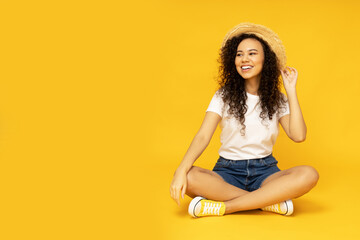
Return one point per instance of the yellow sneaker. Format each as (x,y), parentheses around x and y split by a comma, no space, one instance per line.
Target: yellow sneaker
(200,207)
(284,208)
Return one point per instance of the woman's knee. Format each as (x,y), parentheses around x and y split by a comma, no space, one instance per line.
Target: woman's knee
(191,175)
(307,176)
(196,176)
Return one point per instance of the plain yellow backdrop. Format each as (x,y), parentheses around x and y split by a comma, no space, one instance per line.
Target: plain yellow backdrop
(99,101)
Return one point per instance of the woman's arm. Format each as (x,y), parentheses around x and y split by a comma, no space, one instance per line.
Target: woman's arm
(197,146)
(293,124)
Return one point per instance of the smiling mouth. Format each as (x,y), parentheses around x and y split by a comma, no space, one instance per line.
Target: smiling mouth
(246,68)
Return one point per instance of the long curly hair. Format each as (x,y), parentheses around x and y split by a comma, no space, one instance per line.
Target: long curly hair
(232,84)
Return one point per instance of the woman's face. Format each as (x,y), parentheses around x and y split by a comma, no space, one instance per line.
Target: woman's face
(249,59)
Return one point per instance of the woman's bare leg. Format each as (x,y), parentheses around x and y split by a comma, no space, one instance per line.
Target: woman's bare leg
(209,184)
(280,186)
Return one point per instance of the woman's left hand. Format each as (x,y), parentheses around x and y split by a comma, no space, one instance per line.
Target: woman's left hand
(289,76)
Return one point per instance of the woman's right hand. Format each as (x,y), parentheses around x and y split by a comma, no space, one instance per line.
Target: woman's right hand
(178,186)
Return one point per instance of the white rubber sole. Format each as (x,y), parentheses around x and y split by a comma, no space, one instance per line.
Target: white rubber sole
(193,204)
(290,207)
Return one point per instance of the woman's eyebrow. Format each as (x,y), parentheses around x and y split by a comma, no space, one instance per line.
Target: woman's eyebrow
(248,50)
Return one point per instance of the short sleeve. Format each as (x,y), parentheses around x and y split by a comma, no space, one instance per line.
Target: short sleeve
(284,110)
(216,104)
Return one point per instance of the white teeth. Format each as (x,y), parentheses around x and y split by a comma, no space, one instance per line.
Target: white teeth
(246,67)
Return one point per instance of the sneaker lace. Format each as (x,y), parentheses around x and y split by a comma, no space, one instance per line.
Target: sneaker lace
(274,208)
(212,208)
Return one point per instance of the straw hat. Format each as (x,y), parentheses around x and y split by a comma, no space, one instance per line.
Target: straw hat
(264,33)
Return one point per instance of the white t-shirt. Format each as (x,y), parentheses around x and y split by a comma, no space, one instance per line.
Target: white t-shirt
(260,135)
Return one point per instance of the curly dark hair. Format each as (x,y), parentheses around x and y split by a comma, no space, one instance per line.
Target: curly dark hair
(232,84)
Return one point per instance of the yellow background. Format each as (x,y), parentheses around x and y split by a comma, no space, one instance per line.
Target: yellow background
(99,101)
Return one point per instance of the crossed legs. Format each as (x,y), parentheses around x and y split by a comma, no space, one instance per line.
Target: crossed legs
(280,186)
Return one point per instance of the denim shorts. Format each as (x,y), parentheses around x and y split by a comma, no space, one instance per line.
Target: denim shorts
(246,174)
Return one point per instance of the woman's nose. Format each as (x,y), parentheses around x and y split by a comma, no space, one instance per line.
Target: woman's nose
(245,58)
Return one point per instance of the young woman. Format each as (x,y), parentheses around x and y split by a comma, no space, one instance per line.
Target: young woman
(249,107)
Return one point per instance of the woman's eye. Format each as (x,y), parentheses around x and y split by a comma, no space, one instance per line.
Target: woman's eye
(252,53)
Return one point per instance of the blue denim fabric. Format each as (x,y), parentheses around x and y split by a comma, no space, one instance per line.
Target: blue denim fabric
(246,174)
